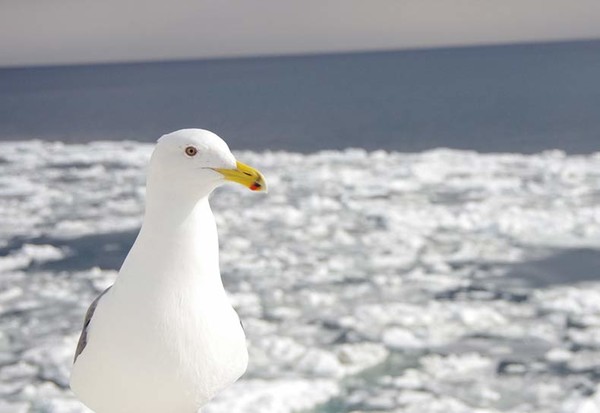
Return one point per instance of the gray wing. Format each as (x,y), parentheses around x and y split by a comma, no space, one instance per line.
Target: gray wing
(86,323)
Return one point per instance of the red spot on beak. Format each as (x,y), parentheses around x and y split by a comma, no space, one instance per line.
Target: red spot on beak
(255,186)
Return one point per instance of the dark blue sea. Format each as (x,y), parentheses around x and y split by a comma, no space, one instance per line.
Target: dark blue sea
(518,98)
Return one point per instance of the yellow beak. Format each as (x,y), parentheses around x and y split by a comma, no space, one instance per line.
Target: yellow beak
(245,175)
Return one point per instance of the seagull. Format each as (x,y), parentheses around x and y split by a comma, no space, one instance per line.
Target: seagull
(164,337)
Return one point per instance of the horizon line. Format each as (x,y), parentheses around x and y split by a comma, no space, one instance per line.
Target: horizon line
(296,55)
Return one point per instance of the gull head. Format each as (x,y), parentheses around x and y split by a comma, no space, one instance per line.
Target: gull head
(198,161)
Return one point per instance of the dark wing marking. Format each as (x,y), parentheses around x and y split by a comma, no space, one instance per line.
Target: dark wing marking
(86,323)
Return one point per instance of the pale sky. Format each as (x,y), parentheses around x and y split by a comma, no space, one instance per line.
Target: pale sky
(34,32)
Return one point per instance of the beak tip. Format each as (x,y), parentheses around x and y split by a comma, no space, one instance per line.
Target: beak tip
(258,187)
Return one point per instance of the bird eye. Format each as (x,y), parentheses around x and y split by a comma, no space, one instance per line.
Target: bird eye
(191,151)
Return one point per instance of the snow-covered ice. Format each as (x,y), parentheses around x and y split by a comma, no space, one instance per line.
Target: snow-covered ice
(444,281)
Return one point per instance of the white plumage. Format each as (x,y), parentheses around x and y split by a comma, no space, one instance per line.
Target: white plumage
(165,338)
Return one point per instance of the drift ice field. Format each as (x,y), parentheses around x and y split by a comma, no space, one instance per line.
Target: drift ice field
(443,281)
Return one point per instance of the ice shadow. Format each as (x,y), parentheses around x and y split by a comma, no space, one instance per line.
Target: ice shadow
(106,251)
(518,280)
(567,266)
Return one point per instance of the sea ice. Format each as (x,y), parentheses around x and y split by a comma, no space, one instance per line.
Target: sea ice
(370,282)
